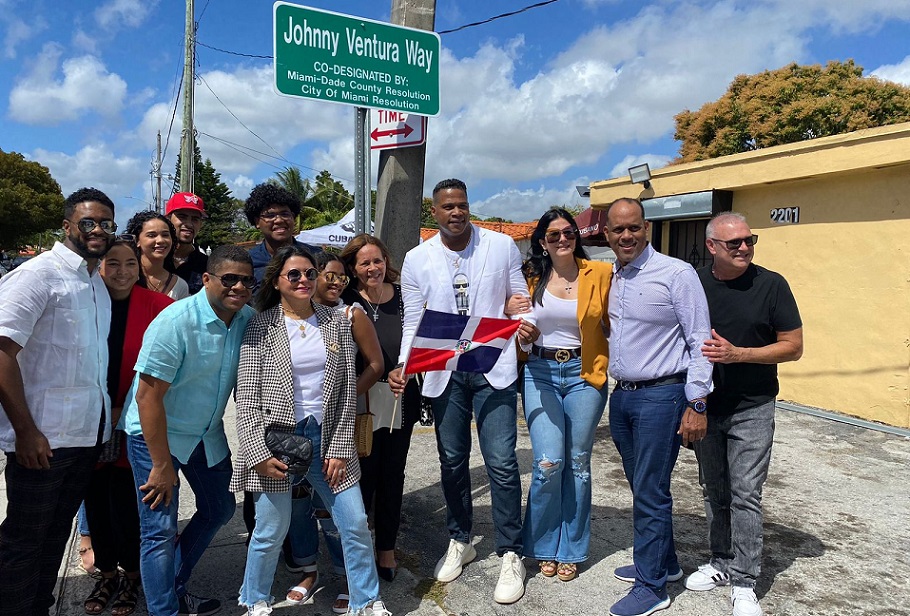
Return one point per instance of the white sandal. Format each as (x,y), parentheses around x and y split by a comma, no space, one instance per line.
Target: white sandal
(341,597)
(305,594)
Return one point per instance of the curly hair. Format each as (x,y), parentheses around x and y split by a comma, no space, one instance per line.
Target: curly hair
(539,266)
(134,228)
(266,195)
(81,196)
(349,257)
(268,295)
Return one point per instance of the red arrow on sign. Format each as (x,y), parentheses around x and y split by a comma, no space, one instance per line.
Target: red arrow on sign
(406,130)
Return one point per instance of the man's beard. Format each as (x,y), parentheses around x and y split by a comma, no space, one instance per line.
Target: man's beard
(83,250)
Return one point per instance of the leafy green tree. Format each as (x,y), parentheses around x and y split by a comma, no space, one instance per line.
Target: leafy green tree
(30,200)
(790,104)
(225,213)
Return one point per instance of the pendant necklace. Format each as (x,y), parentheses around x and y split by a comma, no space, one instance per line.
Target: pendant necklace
(301,324)
(374,309)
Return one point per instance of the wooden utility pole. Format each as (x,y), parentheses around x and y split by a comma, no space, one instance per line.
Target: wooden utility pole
(399,189)
(187,143)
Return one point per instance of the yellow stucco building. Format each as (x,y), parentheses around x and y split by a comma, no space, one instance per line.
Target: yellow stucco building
(833,216)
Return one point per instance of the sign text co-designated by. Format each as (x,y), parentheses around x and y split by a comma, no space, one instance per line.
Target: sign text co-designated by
(344,59)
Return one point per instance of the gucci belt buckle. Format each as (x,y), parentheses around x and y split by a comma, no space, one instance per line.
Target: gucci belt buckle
(628,385)
(562,356)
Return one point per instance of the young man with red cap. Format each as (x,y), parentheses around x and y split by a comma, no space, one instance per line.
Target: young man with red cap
(186,212)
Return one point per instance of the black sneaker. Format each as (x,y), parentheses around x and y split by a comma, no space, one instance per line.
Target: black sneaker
(191,605)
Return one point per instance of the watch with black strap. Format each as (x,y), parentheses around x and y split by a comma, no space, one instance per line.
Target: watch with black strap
(699,406)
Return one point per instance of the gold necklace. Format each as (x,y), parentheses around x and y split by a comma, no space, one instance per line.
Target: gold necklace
(301,323)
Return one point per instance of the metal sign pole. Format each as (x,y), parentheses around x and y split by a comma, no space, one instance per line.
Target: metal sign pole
(362,172)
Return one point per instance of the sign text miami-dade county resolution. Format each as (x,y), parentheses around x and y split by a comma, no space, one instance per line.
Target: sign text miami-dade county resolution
(344,59)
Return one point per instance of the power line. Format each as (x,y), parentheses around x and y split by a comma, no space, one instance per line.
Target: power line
(500,16)
(458,29)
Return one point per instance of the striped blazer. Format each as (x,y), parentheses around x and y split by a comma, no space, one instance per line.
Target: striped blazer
(265,396)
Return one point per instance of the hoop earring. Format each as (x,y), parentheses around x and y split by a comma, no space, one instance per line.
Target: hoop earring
(546,253)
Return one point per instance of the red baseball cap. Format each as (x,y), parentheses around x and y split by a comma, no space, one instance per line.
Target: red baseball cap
(184,201)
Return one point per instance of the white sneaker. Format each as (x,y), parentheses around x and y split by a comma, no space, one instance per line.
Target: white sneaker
(453,561)
(707,578)
(745,603)
(511,585)
(260,608)
(377,609)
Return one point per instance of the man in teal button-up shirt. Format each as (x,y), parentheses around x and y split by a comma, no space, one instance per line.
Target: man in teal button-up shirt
(186,370)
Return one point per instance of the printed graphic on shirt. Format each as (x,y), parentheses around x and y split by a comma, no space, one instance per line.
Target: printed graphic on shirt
(462,297)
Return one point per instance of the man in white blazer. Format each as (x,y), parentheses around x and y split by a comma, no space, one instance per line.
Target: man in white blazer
(468,270)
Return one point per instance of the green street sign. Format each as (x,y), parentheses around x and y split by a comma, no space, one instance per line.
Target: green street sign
(344,59)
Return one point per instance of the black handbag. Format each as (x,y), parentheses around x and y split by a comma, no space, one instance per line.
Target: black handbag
(295,450)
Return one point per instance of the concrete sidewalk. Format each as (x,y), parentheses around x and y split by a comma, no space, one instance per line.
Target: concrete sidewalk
(837,536)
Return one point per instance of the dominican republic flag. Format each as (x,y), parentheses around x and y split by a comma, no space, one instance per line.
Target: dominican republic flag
(454,342)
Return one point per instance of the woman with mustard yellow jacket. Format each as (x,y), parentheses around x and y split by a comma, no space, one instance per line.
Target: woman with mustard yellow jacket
(564,391)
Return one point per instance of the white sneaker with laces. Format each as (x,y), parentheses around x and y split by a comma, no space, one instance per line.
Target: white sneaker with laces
(377,609)
(260,608)
(707,578)
(745,603)
(511,585)
(453,561)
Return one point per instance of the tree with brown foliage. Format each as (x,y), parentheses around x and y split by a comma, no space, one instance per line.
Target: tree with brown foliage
(790,104)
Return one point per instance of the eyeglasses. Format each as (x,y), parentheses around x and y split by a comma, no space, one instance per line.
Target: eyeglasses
(552,235)
(295,275)
(750,240)
(333,278)
(87,225)
(285,214)
(231,280)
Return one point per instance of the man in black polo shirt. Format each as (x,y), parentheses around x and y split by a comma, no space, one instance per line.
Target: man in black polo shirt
(187,212)
(755,325)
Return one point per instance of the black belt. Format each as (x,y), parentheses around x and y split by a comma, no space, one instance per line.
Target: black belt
(560,355)
(673,379)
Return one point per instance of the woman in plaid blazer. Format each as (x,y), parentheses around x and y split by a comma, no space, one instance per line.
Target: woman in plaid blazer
(297,375)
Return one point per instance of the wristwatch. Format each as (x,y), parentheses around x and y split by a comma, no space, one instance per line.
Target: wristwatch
(699,406)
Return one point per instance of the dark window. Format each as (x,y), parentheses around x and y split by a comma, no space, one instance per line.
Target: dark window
(687,242)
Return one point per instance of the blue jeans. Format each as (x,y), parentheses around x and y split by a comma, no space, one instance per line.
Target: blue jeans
(644,425)
(166,566)
(469,395)
(273,517)
(733,462)
(304,533)
(83,521)
(562,411)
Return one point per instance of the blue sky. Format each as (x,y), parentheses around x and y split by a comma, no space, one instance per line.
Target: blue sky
(532,105)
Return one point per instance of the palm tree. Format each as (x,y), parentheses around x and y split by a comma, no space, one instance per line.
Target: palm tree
(324,200)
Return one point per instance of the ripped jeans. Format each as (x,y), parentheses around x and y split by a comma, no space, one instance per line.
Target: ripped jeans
(562,411)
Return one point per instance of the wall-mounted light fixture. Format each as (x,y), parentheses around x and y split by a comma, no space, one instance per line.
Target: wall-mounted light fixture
(583,191)
(641,174)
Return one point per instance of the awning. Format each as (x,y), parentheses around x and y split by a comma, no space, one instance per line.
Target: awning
(592,225)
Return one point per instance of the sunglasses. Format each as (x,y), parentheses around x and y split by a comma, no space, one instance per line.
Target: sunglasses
(750,240)
(552,235)
(126,237)
(333,278)
(295,275)
(87,225)
(231,280)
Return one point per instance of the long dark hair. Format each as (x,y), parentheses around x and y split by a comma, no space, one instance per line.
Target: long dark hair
(134,228)
(268,296)
(538,266)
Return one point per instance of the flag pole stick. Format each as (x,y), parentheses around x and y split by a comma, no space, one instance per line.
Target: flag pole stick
(395,410)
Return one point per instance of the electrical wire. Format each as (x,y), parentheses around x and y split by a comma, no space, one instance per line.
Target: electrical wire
(458,29)
(500,16)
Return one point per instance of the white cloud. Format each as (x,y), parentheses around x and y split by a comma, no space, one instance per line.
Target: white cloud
(123,178)
(129,13)
(898,73)
(525,205)
(41,97)
(240,186)
(85,42)
(17,31)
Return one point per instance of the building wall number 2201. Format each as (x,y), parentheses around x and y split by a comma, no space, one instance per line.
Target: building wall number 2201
(785,215)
